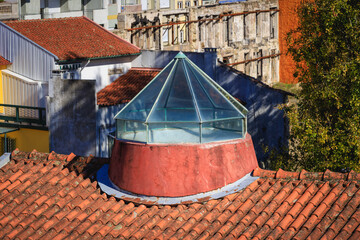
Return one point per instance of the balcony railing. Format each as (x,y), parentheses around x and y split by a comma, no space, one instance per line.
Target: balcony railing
(23,114)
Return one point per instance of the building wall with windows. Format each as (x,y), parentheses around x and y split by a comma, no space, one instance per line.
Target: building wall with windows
(9,10)
(24,139)
(244,33)
(169,4)
(103,12)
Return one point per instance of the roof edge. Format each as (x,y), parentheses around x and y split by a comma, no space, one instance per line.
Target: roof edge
(28,39)
(78,60)
(256,80)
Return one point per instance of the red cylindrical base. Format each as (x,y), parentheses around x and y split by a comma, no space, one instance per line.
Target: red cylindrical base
(175,170)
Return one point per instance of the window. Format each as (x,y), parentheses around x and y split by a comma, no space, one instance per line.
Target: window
(246,27)
(247,64)
(180,5)
(228,30)
(259,64)
(181,36)
(258,24)
(199,25)
(195,3)
(273,23)
(165,35)
(9,146)
(187,3)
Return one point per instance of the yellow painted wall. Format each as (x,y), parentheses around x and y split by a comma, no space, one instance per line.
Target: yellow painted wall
(30,139)
(1,89)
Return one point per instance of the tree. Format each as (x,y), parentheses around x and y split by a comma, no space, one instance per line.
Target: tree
(325,125)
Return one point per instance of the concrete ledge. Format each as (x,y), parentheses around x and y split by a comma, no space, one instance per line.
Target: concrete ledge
(109,188)
(4,159)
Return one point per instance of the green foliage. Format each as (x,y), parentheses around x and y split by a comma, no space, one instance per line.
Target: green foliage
(325,125)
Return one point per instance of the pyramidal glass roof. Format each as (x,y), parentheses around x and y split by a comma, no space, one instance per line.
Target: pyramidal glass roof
(182,92)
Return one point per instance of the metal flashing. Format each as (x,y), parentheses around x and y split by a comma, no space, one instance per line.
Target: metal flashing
(109,188)
(28,39)
(4,159)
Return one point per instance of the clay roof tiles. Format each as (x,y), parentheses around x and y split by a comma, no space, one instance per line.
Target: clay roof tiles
(3,61)
(125,88)
(73,38)
(44,196)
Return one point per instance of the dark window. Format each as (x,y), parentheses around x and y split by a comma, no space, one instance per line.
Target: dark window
(199,24)
(259,64)
(272,23)
(9,146)
(247,64)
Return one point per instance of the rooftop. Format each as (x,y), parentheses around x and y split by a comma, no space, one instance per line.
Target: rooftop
(3,61)
(125,88)
(56,196)
(73,38)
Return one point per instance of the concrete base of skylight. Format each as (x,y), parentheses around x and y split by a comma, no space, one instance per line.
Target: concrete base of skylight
(177,170)
(111,189)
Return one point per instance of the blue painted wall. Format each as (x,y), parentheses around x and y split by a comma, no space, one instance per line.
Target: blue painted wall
(266,122)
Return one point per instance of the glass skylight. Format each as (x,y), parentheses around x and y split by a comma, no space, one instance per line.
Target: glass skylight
(182,105)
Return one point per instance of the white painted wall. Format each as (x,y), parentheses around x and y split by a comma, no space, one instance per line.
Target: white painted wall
(102,70)
(67,14)
(100,17)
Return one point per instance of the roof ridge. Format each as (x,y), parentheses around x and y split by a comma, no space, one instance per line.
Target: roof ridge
(145,69)
(305,175)
(40,19)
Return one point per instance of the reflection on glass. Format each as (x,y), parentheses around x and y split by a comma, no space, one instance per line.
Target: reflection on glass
(182,105)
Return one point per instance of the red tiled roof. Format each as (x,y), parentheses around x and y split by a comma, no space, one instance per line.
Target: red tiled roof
(3,61)
(55,196)
(123,89)
(73,38)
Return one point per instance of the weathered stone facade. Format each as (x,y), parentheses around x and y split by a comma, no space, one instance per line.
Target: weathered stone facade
(244,33)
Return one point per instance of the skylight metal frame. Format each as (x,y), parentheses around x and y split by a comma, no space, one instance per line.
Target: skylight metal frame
(187,67)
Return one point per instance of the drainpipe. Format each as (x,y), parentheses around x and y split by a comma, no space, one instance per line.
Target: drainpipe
(84,67)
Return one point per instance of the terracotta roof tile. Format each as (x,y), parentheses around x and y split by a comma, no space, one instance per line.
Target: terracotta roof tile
(123,89)
(55,198)
(73,38)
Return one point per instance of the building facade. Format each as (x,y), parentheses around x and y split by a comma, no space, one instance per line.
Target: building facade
(9,10)
(71,49)
(103,12)
(244,33)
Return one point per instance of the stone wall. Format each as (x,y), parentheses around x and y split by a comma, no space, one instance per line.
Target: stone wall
(244,40)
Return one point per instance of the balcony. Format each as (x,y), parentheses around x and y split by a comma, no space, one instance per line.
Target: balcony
(22,116)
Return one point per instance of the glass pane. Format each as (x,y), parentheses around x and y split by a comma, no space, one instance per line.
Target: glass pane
(174,133)
(222,130)
(175,102)
(204,101)
(139,108)
(131,130)
(218,97)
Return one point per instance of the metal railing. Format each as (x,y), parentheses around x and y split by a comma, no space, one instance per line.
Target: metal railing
(23,114)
